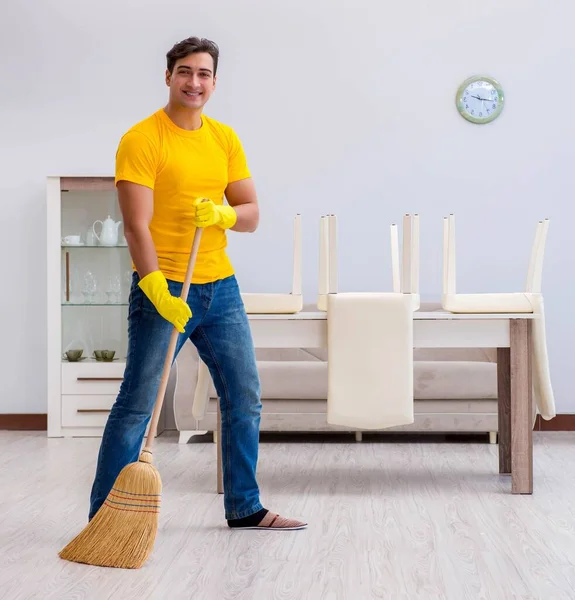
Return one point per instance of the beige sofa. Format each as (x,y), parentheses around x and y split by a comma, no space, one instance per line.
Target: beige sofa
(455,391)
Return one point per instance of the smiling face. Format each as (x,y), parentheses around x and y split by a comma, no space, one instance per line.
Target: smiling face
(192,81)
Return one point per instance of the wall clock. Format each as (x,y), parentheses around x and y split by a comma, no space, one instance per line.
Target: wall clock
(480,99)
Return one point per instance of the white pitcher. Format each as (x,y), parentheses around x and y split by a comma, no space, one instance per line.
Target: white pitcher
(109,232)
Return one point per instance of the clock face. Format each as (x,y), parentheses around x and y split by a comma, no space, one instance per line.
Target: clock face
(480,99)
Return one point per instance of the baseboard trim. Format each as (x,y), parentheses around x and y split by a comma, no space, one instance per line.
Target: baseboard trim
(39,422)
(24,422)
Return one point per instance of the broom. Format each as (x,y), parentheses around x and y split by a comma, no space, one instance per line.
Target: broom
(123,531)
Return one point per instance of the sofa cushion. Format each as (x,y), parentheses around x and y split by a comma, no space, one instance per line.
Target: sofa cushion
(439,354)
(452,380)
(285,354)
(433,380)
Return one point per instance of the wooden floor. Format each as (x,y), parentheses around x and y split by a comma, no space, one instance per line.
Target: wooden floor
(388,519)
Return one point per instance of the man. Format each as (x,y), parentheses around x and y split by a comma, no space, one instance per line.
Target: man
(165,165)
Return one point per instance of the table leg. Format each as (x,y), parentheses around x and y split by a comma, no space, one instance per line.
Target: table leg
(504,409)
(521,407)
(220,475)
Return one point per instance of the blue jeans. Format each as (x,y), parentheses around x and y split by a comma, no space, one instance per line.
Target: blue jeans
(220,331)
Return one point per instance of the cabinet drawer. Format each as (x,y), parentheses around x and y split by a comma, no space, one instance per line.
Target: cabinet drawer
(86,410)
(92,377)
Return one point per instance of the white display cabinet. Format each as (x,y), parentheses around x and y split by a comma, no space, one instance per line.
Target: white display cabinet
(88,286)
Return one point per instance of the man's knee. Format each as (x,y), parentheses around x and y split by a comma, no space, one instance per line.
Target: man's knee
(138,392)
(248,395)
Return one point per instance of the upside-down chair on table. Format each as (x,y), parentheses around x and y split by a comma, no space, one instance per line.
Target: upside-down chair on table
(370,337)
(405,278)
(528,301)
(284,304)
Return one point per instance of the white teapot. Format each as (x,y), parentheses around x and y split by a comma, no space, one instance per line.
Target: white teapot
(109,232)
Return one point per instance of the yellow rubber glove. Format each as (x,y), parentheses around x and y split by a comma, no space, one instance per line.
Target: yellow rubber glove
(208,213)
(172,308)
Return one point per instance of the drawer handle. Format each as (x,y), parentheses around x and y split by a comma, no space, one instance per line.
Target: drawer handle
(93,410)
(99,378)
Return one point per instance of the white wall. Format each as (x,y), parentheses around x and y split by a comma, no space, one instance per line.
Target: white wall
(341,109)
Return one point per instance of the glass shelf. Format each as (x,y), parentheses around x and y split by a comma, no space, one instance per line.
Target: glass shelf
(90,359)
(88,304)
(82,247)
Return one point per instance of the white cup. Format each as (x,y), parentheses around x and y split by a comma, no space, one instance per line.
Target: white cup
(71,239)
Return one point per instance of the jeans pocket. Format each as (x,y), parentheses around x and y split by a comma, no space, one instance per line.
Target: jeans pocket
(136,298)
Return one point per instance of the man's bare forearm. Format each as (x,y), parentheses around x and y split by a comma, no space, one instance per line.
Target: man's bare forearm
(137,206)
(142,249)
(248,217)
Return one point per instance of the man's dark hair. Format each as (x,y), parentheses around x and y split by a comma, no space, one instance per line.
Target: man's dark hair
(192,45)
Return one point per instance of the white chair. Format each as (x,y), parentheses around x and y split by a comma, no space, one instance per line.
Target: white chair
(405,278)
(289,303)
(505,302)
(529,301)
(370,336)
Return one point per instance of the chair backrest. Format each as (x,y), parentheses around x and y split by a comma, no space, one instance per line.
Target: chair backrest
(535,269)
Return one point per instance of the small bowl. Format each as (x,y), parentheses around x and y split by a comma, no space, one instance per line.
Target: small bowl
(104,355)
(74,355)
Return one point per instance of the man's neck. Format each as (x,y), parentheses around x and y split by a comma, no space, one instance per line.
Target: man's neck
(186,119)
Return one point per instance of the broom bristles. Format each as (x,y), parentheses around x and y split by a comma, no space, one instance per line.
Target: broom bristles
(123,531)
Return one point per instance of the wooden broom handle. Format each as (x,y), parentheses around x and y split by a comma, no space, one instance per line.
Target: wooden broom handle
(172,347)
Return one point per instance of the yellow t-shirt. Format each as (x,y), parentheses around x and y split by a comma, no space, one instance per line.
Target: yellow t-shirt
(181,166)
